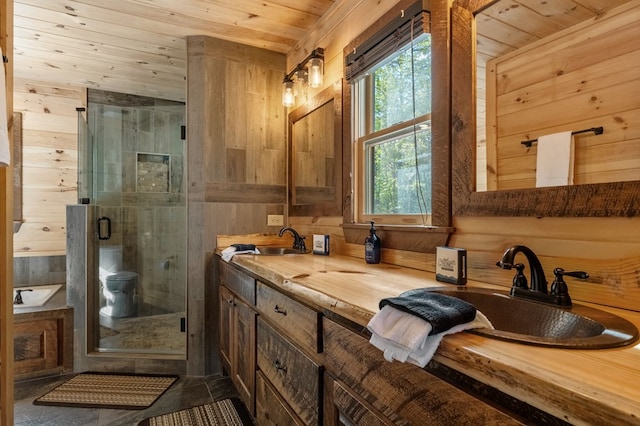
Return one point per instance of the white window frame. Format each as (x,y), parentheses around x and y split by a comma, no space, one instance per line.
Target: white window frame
(363,135)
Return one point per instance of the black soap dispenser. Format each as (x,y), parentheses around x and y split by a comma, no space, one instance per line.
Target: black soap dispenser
(372,246)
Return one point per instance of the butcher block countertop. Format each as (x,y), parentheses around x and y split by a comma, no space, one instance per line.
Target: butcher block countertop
(598,387)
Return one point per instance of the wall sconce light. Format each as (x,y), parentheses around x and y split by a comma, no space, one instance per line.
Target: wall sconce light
(300,85)
(316,72)
(308,73)
(288,98)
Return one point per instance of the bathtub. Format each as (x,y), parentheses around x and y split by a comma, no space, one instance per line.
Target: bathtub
(35,296)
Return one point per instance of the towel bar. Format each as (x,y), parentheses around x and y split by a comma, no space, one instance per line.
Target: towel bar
(596,130)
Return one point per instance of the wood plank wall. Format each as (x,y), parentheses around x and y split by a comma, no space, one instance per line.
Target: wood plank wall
(607,248)
(236,167)
(583,77)
(6,232)
(50,166)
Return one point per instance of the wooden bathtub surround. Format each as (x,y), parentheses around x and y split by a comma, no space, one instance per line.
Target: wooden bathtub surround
(578,386)
(43,342)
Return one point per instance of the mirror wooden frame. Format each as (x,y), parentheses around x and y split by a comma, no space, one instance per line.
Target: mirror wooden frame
(329,208)
(589,200)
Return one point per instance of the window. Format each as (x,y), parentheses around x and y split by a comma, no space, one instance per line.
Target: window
(391,94)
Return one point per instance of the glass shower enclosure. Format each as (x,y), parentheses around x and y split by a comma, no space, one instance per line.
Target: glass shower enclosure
(131,173)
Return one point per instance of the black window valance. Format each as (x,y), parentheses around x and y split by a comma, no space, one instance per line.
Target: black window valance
(393,36)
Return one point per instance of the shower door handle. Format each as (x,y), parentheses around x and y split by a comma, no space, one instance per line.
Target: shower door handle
(104,222)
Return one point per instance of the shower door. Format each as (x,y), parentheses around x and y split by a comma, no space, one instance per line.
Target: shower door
(137,304)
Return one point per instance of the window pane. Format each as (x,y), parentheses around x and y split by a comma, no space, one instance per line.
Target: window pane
(394,82)
(400,179)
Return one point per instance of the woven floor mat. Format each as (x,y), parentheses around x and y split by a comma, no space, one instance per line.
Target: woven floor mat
(107,390)
(228,412)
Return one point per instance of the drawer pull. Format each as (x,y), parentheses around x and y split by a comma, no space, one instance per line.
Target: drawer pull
(279,366)
(280,311)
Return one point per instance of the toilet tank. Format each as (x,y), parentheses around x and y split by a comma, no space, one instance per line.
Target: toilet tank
(110,259)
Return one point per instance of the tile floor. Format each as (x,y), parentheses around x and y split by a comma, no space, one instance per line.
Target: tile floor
(184,393)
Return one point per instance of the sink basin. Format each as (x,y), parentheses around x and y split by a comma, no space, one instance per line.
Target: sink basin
(279,251)
(530,322)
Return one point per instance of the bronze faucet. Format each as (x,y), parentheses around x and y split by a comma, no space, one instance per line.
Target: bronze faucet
(298,240)
(18,300)
(559,294)
(538,280)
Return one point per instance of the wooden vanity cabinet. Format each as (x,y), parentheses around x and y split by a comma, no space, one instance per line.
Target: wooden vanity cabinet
(289,358)
(293,366)
(238,331)
(362,388)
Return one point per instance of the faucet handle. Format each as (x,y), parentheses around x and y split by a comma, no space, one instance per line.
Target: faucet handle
(559,287)
(519,280)
(575,274)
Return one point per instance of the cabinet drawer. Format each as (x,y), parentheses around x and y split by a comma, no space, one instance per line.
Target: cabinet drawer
(401,392)
(349,406)
(302,324)
(295,376)
(270,408)
(241,284)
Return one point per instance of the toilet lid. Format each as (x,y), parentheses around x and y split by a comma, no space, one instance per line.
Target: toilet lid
(122,276)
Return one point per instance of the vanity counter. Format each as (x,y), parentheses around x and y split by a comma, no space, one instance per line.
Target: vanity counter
(599,386)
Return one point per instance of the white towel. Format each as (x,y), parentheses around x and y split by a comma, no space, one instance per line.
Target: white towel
(5,151)
(405,330)
(229,252)
(413,344)
(555,160)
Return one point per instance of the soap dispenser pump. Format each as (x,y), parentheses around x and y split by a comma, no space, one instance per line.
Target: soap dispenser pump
(372,246)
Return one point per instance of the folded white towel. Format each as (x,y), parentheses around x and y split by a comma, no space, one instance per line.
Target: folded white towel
(555,160)
(228,253)
(404,330)
(414,345)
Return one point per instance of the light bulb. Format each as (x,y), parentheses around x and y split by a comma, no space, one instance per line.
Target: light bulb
(316,71)
(300,89)
(288,99)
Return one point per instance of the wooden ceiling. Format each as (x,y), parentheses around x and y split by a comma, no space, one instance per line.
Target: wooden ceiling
(510,24)
(139,46)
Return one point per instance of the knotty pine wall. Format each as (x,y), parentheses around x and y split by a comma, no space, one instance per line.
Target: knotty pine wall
(607,248)
(585,76)
(49,161)
(6,230)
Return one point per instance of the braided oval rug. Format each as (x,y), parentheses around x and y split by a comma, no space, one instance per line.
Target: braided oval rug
(108,390)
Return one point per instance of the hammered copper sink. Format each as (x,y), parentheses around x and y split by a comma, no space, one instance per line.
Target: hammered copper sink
(280,251)
(529,322)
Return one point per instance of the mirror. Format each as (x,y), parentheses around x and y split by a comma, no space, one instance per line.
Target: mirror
(556,67)
(315,155)
(601,189)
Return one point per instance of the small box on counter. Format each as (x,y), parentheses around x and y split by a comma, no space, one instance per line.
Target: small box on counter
(451,265)
(321,244)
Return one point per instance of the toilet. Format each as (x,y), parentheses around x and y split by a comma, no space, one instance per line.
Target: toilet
(119,287)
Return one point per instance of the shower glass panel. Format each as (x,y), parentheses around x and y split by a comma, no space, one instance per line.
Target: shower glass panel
(138,189)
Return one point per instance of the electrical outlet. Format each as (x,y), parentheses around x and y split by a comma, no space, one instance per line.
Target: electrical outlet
(275,220)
